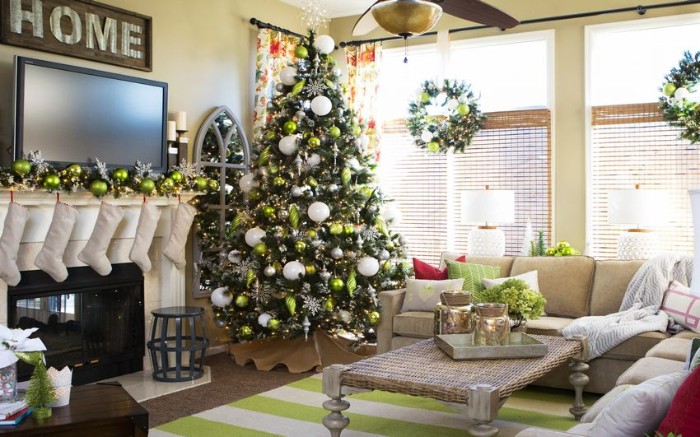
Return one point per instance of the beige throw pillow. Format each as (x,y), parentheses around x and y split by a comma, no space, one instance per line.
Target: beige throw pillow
(530,279)
(423,294)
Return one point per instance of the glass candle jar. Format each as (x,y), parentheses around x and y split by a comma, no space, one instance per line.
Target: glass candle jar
(454,314)
(492,324)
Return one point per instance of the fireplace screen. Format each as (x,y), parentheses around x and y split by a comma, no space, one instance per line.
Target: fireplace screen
(94,324)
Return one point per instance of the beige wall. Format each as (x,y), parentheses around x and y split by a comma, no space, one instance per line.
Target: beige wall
(569,107)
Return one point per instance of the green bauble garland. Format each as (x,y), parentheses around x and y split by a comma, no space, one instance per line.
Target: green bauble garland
(680,99)
(444,117)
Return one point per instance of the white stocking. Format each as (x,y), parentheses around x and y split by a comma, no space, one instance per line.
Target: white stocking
(94,253)
(50,258)
(175,249)
(15,221)
(145,229)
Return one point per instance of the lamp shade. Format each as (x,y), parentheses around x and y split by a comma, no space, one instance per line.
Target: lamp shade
(488,206)
(406,17)
(637,207)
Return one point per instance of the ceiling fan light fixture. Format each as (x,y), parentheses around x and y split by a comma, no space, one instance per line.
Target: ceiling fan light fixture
(406,17)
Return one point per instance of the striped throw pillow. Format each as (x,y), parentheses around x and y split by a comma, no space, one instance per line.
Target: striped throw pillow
(682,306)
(472,274)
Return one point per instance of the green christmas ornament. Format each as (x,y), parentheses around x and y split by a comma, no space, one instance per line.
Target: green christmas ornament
(176,176)
(200,183)
(314,142)
(356,130)
(269,135)
(310,181)
(433,146)
(245,331)
(301,52)
(236,222)
(98,187)
(336,284)
(249,278)
(424,97)
(335,228)
(373,317)
(310,269)
(264,156)
(380,224)
(300,246)
(167,184)
(279,182)
(345,176)
(21,167)
(254,194)
(273,324)
(669,89)
(366,191)
(294,216)
(260,249)
(289,127)
(74,170)
(463,109)
(312,233)
(334,132)
(213,185)
(53,181)
(268,211)
(351,283)
(291,304)
(242,300)
(120,174)
(298,87)
(147,186)
(273,169)
(349,229)
(329,304)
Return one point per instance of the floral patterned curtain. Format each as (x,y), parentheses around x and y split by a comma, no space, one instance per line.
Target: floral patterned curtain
(275,50)
(363,63)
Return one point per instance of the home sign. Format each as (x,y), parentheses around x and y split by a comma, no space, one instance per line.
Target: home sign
(80,28)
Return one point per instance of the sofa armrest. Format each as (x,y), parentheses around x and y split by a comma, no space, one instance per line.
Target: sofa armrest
(391,302)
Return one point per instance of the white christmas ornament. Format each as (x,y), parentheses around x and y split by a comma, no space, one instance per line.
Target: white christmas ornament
(426,136)
(313,160)
(254,236)
(221,297)
(263,319)
(269,271)
(354,164)
(288,76)
(324,44)
(392,216)
(296,191)
(681,93)
(293,270)
(321,105)
(368,266)
(383,255)
(337,253)
(246,182)
(234,256)
(318,212)
(344,316)
(288,144)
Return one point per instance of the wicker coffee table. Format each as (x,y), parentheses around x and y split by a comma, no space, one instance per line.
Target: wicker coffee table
(422,369)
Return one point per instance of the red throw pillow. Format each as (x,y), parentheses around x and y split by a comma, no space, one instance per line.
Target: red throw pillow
(424,270)
(682,417)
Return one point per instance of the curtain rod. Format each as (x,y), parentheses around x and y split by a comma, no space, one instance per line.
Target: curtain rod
(641,10)
(263,25)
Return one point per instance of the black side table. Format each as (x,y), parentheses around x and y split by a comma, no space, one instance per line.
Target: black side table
(193,344)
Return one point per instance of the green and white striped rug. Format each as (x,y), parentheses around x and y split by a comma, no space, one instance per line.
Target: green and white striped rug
(295,410)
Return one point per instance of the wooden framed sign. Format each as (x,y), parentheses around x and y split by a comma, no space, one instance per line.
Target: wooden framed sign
(79,28)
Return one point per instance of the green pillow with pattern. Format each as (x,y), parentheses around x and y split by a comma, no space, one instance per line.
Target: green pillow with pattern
(472,274)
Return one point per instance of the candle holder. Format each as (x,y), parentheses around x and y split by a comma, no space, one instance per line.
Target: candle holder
(492,324)
(177,150)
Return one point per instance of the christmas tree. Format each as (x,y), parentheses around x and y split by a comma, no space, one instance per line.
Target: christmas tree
(308,249)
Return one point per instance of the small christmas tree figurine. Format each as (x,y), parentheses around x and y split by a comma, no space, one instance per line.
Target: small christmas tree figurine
(40,393)
(309,249)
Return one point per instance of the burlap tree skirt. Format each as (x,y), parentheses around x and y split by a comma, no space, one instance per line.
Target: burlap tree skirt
(297,354)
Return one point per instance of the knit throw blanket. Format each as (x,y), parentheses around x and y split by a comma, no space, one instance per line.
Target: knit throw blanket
(639,311)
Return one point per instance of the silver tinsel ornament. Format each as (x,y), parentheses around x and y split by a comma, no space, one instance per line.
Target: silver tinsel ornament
(337,253)
(269,271)
(234,256)
(325,275)
(306,324)
(283,214)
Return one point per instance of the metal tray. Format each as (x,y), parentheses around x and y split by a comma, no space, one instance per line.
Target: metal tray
(461,347)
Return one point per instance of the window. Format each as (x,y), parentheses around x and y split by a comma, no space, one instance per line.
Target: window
(512,151)
(629,143)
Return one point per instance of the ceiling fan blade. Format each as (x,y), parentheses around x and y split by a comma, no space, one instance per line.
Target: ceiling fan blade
(366,23)
(478,12)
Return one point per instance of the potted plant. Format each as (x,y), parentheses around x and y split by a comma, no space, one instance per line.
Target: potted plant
(523,303)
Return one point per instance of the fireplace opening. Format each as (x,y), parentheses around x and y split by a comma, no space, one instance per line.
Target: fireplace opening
(91,323)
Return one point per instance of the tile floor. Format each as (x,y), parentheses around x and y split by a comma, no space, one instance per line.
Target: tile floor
(141,385)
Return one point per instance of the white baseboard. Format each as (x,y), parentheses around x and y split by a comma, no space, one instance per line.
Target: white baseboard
(220,349)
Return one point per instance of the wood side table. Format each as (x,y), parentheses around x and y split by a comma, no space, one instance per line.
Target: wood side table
(104,410)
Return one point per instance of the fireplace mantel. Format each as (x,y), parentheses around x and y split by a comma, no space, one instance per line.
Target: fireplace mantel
(164,284)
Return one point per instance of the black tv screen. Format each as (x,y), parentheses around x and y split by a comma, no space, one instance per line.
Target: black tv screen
(76,115)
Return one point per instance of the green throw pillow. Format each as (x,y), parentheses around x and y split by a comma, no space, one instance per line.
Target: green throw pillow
(472,274)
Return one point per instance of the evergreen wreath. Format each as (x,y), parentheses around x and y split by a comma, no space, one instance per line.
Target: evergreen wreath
(444,117)
(680,102)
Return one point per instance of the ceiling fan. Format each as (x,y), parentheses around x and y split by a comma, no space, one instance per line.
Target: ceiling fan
(407,18)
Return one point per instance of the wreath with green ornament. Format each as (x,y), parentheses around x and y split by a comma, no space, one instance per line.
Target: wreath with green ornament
(680,100)
(32,173)
(444,117)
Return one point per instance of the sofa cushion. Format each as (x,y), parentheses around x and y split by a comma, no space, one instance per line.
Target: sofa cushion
(419,324)
(472,274)
(636,347)
(687,334)
(548,325)
(639,410)
(682,306)
(647,368)
(530,279)
(423,270)
(423,295)
(682,417)
(610,284)
(503,262)
(671,349)
(564,281)
(603,402)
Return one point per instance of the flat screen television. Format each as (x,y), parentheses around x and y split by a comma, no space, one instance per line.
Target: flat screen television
(76,115)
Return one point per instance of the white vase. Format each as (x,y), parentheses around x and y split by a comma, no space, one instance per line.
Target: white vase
(695,208)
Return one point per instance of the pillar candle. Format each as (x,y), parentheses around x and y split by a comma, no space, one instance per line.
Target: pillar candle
(181,120)
(172,135)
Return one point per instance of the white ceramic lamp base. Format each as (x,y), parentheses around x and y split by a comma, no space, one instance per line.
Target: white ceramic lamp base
(636,245)
(486,242)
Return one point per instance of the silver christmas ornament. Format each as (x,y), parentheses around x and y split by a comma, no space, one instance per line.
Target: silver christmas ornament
(332,188)
(383,255)
(300,115)
(350,254)
(220,323)
(337,253)
(306,324)
(296,191)
(283,214)
(325,275)
(279,87)
(269,271)
(234,256)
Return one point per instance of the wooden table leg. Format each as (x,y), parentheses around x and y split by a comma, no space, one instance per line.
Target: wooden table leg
(335,421)
(482,408)
(579,379)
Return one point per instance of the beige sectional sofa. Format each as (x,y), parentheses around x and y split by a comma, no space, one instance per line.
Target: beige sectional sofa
(574,286)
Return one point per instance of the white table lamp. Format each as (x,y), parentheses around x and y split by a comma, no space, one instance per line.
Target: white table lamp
(487,207)
(637,208)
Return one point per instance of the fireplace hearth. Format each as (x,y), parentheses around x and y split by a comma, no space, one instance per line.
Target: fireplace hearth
(91,323)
